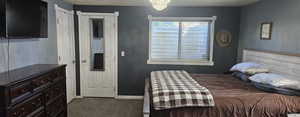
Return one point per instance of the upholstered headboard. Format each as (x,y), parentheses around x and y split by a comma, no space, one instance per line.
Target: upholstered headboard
(281,63)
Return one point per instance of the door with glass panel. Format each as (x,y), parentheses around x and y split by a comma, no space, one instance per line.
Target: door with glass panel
(98,54)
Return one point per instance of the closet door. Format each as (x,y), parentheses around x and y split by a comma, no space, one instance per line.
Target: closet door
(66,48)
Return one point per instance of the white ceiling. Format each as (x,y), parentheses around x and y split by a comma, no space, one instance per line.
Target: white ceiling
(173,2)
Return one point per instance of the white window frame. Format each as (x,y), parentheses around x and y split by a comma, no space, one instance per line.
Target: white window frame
(183,62)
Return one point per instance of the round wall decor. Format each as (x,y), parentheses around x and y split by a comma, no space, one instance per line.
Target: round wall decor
(224,38)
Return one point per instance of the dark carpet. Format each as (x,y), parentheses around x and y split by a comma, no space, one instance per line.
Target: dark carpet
(105,107)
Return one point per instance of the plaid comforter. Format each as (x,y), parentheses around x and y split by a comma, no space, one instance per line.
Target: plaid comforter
(174,89)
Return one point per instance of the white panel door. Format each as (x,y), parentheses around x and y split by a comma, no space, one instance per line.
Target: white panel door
(98,83)
(66,48)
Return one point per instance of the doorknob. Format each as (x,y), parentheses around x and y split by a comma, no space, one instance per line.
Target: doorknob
(83,61)
(73,61)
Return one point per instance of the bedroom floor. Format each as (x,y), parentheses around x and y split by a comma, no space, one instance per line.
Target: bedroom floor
(105,107)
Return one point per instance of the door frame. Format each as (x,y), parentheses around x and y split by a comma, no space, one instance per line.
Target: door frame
(115,45)
(60,49)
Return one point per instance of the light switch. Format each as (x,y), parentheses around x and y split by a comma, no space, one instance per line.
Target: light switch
(123,53)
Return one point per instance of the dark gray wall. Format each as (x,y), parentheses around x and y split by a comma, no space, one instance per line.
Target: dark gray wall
(285,15)
(133,39)
(19,53)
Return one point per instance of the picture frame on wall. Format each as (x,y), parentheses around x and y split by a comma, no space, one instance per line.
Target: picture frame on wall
(266,30)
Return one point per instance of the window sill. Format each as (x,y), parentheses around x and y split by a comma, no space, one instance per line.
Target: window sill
(200,63)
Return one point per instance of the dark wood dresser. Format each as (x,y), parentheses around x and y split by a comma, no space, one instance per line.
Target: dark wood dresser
(34,91)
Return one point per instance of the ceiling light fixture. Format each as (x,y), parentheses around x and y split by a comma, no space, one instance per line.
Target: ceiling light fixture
(160,4)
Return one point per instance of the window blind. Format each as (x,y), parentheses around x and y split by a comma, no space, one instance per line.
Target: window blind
(194,41)
(165,40)
(180,40)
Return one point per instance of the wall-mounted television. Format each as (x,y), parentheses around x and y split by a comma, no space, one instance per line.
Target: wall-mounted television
(23,19)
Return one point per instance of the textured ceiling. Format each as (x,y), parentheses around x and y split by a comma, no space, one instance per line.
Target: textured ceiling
(173,2)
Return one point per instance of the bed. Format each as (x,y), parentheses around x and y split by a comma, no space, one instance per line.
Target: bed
(235,98)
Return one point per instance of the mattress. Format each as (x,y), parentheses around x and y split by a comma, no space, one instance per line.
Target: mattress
(235,98)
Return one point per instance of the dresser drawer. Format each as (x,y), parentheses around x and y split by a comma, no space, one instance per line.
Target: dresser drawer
(57,75)
(62,114)
(56,107)
(40,82)
(27,107)
(58,89)
(20,90)
(38,113)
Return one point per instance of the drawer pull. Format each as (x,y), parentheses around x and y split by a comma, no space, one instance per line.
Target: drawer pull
(15,114)
(34,104)
(22,91)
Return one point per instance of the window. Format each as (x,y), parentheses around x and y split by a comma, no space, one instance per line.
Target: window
(181,40)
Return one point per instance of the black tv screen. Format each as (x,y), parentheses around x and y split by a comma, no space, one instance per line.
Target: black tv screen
(23,18)
(2,19)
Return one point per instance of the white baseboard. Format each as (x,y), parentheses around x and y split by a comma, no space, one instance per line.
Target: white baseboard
(70,101)
(121,97)
(78,97)
(129,97)
(293,115)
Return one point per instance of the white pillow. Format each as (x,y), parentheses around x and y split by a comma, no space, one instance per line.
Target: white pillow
(253,71)
(249,68)
(276,80)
